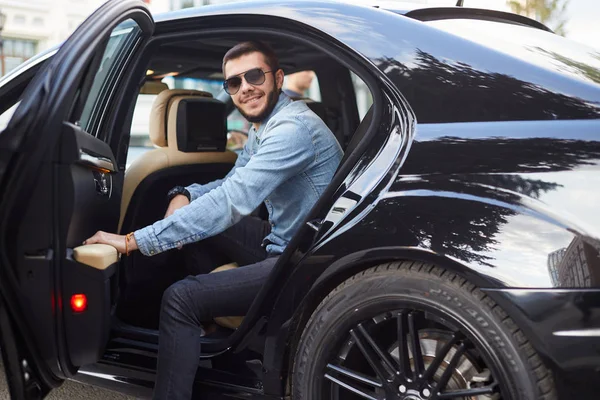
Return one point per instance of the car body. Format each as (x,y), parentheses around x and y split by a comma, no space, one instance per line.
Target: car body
(475,172)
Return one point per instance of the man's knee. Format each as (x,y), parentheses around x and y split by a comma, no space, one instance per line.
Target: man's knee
(176,298)
(184,301)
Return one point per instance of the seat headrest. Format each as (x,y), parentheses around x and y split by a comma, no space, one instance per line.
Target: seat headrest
(153,87)
(318,108)
(197,124)
(160,112)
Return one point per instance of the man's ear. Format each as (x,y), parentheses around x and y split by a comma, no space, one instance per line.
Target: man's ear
(279,78)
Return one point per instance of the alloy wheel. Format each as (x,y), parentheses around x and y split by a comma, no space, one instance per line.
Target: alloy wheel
(410,354)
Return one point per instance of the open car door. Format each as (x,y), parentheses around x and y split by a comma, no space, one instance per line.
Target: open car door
(59,184)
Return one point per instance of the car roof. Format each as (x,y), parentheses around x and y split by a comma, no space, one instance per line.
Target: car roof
(373,34)
(412,9)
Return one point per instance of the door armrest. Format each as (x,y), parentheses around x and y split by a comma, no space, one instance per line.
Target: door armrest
(99,256)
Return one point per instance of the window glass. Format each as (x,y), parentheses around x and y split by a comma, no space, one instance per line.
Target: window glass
(7,46)
(15,52)
(139,141)
(364,98)
(11,63)
(187,3)
(178,4)
(121,41)
(19,49)
(237,125)
(7,115)
(302,84)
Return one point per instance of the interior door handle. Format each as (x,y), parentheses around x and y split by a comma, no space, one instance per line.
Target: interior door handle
(103,164)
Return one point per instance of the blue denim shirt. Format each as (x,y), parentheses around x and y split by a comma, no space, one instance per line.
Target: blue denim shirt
(286,164)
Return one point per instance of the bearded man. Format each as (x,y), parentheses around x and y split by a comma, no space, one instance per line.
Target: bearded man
(288,161)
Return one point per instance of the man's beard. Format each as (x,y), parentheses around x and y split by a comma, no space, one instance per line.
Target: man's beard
(272,99)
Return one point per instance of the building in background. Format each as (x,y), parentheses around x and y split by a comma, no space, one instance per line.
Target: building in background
(179,4)
(32,26)
(36,25)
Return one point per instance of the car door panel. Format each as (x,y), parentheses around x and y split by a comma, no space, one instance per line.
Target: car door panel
(87,204)
(87,184)
(59,184)
(76,180)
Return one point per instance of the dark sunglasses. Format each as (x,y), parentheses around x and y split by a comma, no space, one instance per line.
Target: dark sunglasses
(254,76)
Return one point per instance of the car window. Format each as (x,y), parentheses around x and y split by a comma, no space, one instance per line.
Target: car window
(122,39)
(7,115)
(364,98)
(302,84)
(15,52)
(237,125)
(139,141)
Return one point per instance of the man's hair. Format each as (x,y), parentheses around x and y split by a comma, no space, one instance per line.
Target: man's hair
(244,48)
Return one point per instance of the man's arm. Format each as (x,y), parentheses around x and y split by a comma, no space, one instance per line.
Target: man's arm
(197,190)
(286,150)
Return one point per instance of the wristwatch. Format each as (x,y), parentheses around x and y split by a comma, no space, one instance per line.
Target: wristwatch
(179,190)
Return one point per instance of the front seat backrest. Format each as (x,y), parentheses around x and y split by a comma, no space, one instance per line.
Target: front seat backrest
(329,115)
(163,134)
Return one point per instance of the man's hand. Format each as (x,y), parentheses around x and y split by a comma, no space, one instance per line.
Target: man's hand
(116,241)
(176,203)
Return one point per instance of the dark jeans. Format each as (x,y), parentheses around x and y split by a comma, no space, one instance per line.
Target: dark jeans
(198,299)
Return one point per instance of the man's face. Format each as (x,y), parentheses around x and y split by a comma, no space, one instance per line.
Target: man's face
(255,102)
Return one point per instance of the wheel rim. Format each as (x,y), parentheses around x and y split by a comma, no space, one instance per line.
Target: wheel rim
(409,354)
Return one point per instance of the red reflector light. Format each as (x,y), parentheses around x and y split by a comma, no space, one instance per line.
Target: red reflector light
(78,302)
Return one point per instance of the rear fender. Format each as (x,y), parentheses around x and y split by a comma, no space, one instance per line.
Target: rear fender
(304,291)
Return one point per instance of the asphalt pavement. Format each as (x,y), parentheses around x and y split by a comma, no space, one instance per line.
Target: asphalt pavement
(69,390)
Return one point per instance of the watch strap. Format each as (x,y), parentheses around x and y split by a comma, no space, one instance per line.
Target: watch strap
(177,190)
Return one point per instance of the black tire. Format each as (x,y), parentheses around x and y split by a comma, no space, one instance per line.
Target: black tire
(443,309)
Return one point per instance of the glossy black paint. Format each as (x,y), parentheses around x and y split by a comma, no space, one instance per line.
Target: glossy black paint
(510,205)
(33,232)
(443,77)
(465,193)
(564,321)
(434,13)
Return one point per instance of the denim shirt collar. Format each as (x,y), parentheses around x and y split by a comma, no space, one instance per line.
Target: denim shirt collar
(283,101)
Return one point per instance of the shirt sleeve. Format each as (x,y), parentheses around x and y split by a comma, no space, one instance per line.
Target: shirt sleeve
(197,190)
(286,150)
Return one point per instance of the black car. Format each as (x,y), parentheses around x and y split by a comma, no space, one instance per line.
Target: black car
(453,256)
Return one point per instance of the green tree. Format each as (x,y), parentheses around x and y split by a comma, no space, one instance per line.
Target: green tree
(549,12)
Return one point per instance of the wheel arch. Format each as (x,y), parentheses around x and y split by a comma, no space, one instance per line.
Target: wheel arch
(338,315)
(344,268)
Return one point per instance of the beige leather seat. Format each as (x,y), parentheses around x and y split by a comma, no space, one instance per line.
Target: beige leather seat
(228,322)
(153,87)
(163,133)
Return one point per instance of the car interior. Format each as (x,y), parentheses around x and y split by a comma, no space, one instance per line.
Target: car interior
(187,128)
(167,165)
(187,131)
(100,176)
